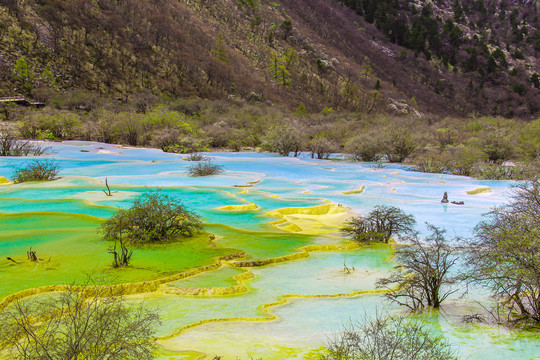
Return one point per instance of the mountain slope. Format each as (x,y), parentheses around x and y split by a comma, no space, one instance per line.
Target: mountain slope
(320,53)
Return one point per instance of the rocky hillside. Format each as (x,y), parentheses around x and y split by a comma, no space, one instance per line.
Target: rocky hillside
(442,57)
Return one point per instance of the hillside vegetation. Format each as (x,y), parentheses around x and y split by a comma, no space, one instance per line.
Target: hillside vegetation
(442,58)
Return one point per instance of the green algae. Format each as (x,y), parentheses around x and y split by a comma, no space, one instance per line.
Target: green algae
(70,247)
(220,278)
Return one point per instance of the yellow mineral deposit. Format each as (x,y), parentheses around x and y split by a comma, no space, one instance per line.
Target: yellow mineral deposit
(244,207)
(358,191)
(480,190)
(313,220)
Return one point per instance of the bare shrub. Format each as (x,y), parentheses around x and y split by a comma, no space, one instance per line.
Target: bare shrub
(37,170)
(11,146)
(94,322)
(205,168)
(196,157)
(388,338)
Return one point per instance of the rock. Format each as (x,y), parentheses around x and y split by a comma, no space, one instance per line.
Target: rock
(254,97)
(445,198)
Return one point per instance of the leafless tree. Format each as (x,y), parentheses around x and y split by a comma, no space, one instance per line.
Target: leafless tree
(424,278)
(505,255)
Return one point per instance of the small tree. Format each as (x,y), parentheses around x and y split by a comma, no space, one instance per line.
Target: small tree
(79,323)
(23,75)
(505,254)
(424,278)
(153,218)
(322,147)
(388,338)
(400,145)
(380,224)
(37,170)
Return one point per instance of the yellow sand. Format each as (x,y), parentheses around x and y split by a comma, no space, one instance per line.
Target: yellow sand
(480,190)
(4,181)
(359,191)
(394,173)
(246,207)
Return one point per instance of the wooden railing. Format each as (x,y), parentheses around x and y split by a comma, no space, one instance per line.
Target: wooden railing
(21,100)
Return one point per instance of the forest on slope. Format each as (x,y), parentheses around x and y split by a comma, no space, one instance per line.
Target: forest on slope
(440,58)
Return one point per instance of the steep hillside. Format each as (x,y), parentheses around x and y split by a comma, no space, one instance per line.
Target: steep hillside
(320,53)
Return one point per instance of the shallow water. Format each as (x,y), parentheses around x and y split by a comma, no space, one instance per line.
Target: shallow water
(286,309)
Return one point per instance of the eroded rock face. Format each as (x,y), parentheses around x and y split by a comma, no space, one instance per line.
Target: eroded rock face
(402,108)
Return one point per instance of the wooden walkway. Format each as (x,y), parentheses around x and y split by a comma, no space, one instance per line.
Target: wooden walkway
(21,100)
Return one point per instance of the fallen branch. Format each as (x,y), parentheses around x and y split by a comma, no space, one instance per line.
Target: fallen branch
(32,256)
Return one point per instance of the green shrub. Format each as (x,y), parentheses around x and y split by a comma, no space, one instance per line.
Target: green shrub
(37,170)
(186,145)
(154,217)
(51,125)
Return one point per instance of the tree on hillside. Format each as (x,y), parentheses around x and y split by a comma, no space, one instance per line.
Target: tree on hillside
(154,217)
(424,278)
(388,338)
(322,147)
(93,322)
(505,255)
(380,224)
(284,140)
